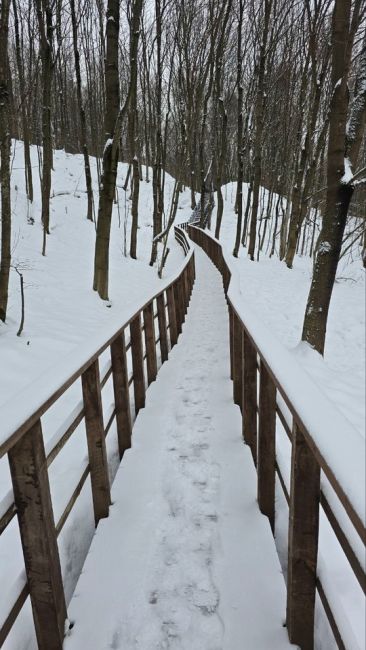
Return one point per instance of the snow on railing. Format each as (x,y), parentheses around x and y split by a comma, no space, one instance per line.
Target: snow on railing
(322,439)
(29,456)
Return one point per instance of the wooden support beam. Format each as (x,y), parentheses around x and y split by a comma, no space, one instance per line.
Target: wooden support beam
(149,329)
(267,445)
(178,310)
(121,393)
(96,441)
(180,285)
(172,317)
(185,290)
(231,341)
(137,363)
(237,360)
(250,396)
(163,333)
(303,543)
(32,498)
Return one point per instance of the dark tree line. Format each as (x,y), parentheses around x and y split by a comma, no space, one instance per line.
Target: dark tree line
(267,92)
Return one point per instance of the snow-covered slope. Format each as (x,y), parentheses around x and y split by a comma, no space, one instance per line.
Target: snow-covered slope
(61,309)
(278,296)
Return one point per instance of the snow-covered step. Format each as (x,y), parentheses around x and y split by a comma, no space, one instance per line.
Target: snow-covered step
(185,560)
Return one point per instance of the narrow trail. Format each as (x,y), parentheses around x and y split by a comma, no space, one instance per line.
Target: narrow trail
(185,561)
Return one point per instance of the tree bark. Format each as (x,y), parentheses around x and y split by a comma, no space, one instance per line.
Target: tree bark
(45,26)
(5,147)
(84,147)
(110,156)
(339,189)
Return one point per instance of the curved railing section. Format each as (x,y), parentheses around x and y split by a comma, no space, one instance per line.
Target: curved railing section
(328,455)
(137,347)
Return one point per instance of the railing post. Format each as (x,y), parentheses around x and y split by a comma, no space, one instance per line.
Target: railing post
(250,396)
(178,310)
(231,340)
(303,542)
(96,441)
(32,497)
(267,445)
(137,363)
(121,393)
(182,299)
(172,316)
(150,345)
(186,289)
(237,360)
(160,301)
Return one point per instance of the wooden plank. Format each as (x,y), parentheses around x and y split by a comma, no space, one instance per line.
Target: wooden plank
(163,332)
(13,614)
(172,317)
(28,467)
(150,345)
(231,342)
(121,393)
(186,291)
(330,616)
(61,522)
(250,396)
(267,445)
(137,363)
(303,542)
(237,360)
(65,436)
(6,518)
(96,441)
(346,546)
(178,308)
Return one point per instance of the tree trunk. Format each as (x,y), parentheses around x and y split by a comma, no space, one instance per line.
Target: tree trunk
(110,155)
(23,109)
(339,192)
(259,124)
(84,147)
(240,156)
(133,127)
(5,146)
(46,38)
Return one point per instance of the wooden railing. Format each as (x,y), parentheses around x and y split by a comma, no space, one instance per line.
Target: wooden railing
(22,439)
(319,476)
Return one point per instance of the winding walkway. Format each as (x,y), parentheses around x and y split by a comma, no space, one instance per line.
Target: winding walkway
(185,560)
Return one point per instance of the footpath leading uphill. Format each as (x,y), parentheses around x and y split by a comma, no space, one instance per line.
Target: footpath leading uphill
(185,559)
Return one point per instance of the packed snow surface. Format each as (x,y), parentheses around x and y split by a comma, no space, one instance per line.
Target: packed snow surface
(185,560)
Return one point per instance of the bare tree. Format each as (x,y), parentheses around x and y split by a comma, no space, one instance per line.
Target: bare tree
(340,181)
(5,145)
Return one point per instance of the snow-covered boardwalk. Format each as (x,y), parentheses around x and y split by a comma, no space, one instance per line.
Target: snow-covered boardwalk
(185,559)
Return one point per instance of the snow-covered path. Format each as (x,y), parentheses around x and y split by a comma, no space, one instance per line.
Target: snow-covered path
(185,560)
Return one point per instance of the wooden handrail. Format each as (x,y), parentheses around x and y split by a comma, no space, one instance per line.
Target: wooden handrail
(279,375)
(21,438)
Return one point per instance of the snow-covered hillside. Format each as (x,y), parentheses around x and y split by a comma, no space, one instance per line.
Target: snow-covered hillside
(278,295)
(61,309)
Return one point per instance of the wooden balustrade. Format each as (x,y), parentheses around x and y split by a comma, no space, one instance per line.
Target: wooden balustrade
(29,463)
(305,496)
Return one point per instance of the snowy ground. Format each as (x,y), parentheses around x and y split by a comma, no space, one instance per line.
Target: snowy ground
(62,312)
(61,309)
(185,560)
(278,296)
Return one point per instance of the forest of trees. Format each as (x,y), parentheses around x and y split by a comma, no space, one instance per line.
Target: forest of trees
(267,92)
